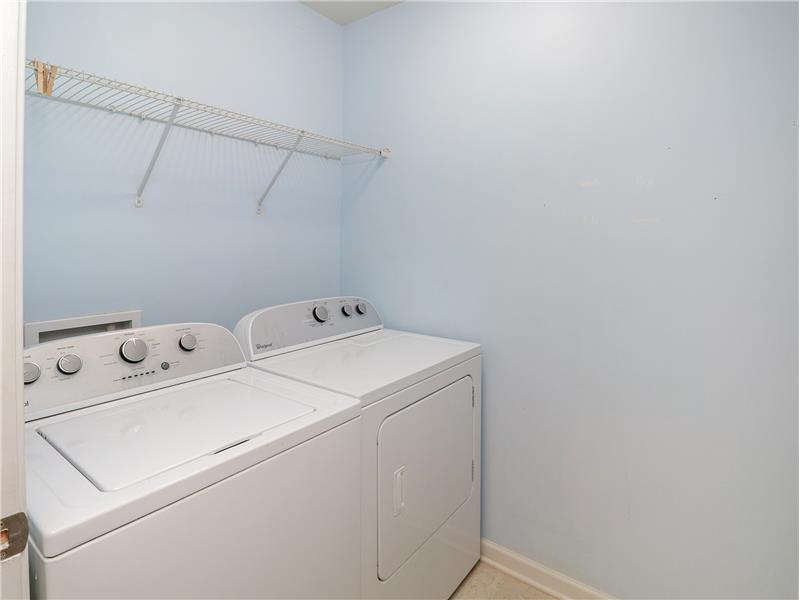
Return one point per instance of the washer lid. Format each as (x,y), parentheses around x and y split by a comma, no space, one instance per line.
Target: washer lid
(372,365)
(123,445)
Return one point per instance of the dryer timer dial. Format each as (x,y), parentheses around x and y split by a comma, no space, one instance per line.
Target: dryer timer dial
(320,314)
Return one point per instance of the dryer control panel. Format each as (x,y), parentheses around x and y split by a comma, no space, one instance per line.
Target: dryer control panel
(82,371)
(287,327)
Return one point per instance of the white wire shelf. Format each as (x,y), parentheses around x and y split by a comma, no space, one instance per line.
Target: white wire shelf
(70,86)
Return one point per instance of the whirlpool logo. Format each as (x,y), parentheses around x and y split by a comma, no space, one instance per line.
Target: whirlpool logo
(263,346)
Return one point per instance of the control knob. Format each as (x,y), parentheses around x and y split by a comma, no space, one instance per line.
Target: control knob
(30,372)
(188,342)
(347,310)
(361,308)
(320,314)
(133,350)
(69,364)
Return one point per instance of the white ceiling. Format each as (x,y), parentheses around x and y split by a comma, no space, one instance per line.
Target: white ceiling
(347,12)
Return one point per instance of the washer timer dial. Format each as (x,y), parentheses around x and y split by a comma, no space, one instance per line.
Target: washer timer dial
(69,364)
(133,350)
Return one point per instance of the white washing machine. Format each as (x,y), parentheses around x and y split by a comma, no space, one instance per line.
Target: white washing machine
(160,466)
(420,402)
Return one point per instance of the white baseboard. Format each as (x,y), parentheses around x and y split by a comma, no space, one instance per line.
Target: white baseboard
(539,576)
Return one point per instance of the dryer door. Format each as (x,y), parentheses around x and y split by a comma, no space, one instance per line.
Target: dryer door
(425,458)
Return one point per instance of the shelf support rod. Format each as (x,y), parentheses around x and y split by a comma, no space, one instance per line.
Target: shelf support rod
(139,201)
(278,172)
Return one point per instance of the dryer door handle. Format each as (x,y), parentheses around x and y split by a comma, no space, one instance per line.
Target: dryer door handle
(399,490)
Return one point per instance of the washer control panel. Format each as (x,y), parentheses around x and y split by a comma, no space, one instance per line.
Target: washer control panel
(82,371)
(280,329)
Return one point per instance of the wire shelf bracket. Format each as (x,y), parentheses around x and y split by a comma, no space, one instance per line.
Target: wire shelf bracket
(78,88)
(139,203)
(278,173)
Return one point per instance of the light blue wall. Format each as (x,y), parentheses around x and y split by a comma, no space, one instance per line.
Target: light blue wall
(604,196)
(197,250)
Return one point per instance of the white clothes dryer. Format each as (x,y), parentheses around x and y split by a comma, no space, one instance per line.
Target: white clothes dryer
(420,400)
(160,466)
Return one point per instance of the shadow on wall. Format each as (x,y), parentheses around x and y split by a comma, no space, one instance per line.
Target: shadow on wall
(358,172)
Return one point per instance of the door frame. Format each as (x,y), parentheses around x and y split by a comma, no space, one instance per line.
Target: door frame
(13,570)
